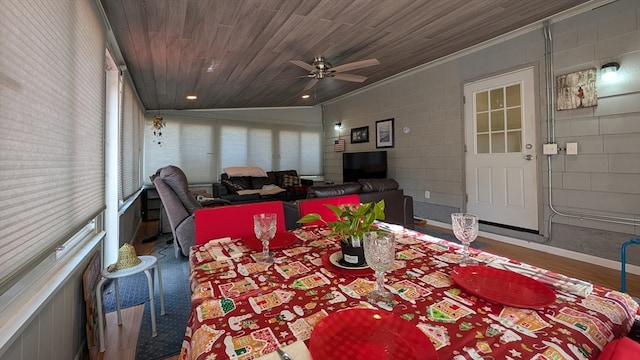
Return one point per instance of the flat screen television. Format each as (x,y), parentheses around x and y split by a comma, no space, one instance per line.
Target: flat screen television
(364,165)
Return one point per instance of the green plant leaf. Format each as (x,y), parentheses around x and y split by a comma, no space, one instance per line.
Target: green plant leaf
(352,221)
(309,218)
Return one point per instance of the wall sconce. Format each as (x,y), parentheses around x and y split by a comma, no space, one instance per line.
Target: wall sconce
(609,71)
(337,126)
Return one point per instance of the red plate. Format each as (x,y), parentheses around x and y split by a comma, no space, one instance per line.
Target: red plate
(503,286)
(367,334)
(282,240)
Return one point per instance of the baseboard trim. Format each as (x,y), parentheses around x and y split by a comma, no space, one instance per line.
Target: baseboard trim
(611,264)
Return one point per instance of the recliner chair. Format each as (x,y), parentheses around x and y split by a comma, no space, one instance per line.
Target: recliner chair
(179,204)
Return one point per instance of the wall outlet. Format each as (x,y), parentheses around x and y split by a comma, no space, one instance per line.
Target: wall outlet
(572,148)
(427,194)
(550,149)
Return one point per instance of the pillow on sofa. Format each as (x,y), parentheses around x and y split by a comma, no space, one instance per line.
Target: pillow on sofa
(245,171)
(259,182)
(248,191)
(289,180)
(233,187)
(271,189)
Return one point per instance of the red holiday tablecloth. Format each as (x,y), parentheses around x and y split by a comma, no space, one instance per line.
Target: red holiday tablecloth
(243,310)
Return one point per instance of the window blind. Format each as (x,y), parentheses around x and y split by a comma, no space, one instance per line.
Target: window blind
(187,144)
(244,146)
(198,145)
(51,128)
(300,150)
(131,121)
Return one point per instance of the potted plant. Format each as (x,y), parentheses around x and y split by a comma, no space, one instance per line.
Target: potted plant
(353,221)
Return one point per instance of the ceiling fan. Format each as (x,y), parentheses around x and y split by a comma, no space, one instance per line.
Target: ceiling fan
(321,68)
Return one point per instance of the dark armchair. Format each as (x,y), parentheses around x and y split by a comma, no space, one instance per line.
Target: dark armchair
(179,204)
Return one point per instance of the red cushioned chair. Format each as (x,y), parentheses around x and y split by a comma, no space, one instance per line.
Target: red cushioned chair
(621,349)
(318,206)
(235,221)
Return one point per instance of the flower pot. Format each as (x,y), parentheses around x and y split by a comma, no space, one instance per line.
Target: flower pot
(352,256)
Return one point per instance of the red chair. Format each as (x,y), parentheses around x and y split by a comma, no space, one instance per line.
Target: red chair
(318,206)
(235,221)
(620,349)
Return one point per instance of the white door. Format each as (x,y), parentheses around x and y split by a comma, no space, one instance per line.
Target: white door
(500,138)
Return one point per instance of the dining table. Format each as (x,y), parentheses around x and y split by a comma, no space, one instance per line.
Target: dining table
(500,308)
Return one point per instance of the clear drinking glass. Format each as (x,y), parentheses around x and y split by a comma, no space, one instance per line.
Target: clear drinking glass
(264,225)
(380,251)
(465,228)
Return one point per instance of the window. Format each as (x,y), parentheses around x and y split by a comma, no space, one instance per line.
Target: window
(300,150)
(271,149)
(52,182)
(204,147)
(131,122)
(244,146)
(186,143)
(499,120)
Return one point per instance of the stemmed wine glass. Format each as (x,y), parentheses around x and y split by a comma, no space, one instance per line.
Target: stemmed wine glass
(264,225)
(379,251)
(465,228)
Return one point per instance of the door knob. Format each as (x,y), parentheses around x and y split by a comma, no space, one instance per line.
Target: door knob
(528,157)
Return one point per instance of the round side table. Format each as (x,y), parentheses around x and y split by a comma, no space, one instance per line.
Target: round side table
(147,263)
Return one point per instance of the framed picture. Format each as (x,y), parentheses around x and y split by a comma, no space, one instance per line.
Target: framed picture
(384,133)
(360,135)
(577,90)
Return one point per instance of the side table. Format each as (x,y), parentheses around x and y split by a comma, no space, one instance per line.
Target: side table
(147,263)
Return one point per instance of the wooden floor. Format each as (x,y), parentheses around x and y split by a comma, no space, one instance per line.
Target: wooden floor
(120,341)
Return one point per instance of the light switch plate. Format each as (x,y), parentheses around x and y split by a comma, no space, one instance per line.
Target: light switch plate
(572,148)
(550,149)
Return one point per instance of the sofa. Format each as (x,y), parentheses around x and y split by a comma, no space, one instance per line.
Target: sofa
(243,186)
(398,207)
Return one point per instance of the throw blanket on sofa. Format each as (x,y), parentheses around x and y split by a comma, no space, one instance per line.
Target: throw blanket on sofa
(265,190)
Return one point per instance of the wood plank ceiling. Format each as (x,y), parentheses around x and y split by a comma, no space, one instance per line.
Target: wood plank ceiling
(236,53)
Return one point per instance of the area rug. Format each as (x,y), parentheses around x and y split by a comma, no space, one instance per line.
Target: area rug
(177,300)
(448,236)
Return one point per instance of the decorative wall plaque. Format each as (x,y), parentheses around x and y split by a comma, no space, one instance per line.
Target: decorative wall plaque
(577,90)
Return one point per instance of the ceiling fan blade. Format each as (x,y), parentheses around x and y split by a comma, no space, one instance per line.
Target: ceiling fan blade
(303,65)
(355,65)
(350,77)
(310,84)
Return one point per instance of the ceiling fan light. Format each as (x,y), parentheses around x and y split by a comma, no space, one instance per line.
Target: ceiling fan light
(320,69)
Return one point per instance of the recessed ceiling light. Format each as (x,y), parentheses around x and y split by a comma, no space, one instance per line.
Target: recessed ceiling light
(306,96)
(191,97)
(212,66)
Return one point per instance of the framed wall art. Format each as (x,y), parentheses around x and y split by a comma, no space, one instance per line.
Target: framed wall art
(577,90)
(360,135)
(384,133)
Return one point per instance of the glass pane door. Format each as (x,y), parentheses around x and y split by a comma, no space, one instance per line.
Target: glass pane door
(498,115)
